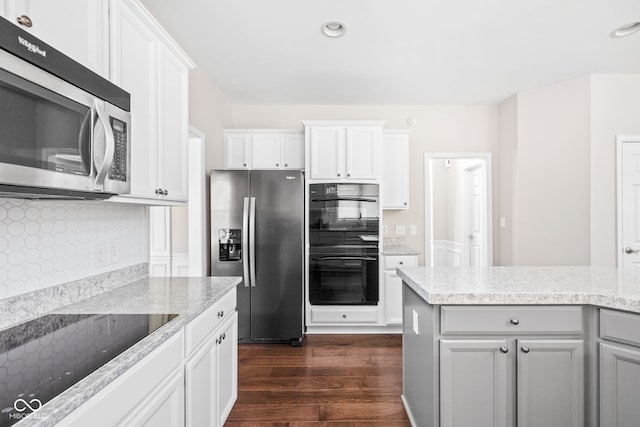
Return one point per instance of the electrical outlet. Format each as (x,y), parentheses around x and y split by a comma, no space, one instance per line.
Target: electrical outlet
(100,254)
(114,252)
(413,229)
(385,229)
(400,230)
(416,322)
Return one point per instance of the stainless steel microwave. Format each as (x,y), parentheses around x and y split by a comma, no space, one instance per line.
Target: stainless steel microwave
(64,130)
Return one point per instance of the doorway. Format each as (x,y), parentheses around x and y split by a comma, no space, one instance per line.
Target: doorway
(628,203)
(458,217)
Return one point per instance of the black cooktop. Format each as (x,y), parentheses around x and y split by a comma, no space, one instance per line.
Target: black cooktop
(42,358)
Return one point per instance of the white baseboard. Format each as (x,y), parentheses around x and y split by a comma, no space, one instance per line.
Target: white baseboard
(408,411)
(316,330)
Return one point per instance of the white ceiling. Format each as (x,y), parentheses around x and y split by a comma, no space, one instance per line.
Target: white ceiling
(398,51)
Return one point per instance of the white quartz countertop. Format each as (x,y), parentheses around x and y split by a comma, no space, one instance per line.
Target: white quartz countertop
(187,297)
(391,250)
(603,287)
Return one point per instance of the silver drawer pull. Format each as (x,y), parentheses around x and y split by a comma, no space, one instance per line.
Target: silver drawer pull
(504,350)
(525,349)
(515,321)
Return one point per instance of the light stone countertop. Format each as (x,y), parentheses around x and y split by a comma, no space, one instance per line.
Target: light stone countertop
(598,286)
(185,296)
(399,250)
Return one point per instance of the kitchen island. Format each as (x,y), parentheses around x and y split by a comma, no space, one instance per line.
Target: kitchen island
(525,346)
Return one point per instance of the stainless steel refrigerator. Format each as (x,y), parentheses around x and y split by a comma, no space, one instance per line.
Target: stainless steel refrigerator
(257,232)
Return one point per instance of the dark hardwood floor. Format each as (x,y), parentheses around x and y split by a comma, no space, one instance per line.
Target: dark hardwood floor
(332,380)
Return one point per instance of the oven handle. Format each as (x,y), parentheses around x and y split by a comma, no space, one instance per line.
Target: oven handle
(110,146)
(346,258)
(344,199)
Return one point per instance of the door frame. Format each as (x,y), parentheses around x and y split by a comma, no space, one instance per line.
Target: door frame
(620,139)
(485,159)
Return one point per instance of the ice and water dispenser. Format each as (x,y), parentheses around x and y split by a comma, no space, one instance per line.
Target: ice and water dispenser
(229,240)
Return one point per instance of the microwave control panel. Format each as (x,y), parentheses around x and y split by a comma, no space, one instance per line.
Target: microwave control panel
(118,169)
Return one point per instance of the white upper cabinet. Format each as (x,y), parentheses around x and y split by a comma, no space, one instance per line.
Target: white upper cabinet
(237,149)
(293,151)
(146,63)
(264,149)
(343,150)
(395,169)
(77,28)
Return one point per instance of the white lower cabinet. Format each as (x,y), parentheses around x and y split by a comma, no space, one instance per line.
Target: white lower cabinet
(212,376)
(151,393)
(393,286)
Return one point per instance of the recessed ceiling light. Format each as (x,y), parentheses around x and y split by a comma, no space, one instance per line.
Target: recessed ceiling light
(626,30)
(334,29)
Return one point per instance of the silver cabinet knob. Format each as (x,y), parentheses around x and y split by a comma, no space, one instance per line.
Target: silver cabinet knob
(400,262)
(504,350)
(470,236)
(338,174)
(515,321)
(25,21)
(344,316)
(244,164)
(277,165)
(286,165)
(405,203)
(630,251)
(348,175)
(524,349)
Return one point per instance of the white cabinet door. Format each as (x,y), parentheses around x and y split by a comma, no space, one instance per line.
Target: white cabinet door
(394,187)
(362,152)
(265,151)
(77,28)
(164,408)
(212,377)
(173,126)
(293,151)
(393,298)
(134,49)
(327,147)
(474,383)
(237,148)
(200,385)
(226,372)
(550,383)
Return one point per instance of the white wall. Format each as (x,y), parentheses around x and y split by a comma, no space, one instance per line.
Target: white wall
(438,129)
(46,243)
(506,164)
(615,110)
(210,112)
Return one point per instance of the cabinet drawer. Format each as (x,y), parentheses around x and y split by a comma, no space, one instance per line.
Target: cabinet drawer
(619,326)
(511,320)
(391,262)
(200,327)
(344,315)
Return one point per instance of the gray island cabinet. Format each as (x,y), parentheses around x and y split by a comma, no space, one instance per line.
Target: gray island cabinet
(521,346)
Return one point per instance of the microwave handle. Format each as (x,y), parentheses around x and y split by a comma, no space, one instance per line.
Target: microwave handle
(110,145)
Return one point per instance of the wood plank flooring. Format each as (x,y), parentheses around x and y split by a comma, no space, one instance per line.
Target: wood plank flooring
(332,380)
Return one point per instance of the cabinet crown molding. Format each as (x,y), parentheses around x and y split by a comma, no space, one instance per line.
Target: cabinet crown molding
(343,122)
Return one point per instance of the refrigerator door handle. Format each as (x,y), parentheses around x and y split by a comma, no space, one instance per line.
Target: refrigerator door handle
(245,242)
(252,241)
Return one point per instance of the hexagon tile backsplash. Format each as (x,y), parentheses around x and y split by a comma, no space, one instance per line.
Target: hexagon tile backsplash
(46,243)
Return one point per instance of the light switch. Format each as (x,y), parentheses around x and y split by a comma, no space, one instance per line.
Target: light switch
(503,222)
(385,229)
(400,230)
(413,229)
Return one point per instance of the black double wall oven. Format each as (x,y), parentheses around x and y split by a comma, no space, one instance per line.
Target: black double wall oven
(343,244)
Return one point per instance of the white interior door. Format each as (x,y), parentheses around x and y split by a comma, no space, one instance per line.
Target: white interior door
(629,203)
(475,217)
